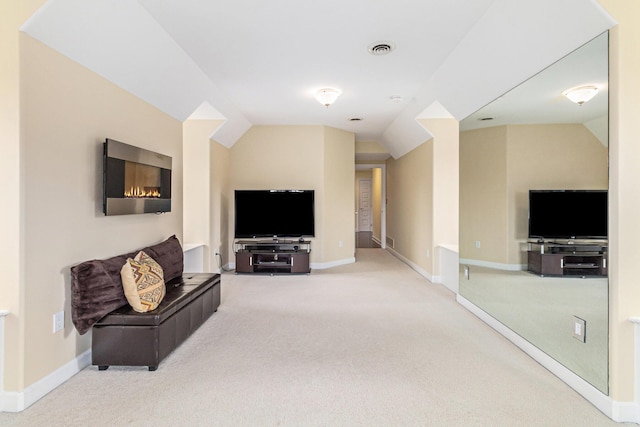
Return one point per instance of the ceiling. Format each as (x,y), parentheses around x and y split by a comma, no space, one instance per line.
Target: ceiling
(540,99)
(252,62)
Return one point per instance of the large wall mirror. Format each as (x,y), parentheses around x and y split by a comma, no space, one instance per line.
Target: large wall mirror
(552,290)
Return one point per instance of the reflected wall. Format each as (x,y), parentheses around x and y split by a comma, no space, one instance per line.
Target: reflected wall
(534,138)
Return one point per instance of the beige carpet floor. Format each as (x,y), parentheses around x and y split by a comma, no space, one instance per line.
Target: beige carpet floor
(367,344)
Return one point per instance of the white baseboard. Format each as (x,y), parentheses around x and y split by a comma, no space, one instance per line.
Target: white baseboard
(330,264)
(421,271)
(625,412)
(617,411)
(19,401)
(495,265)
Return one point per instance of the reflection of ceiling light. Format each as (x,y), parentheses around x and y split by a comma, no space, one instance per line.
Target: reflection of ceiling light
(581,94)
(327,96)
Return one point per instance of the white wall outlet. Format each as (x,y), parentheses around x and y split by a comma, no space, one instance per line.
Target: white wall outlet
(477,244)
(58,321)
(579,329)
(340,244)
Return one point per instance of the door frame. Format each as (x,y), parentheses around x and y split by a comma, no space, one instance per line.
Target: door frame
(383,196)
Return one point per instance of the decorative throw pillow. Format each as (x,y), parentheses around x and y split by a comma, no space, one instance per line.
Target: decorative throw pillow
(169,255)
(143,282)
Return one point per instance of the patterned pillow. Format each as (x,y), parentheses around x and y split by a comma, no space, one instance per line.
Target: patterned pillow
(143,282)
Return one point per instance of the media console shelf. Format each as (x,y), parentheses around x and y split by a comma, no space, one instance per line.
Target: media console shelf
(568,259)
(272,256)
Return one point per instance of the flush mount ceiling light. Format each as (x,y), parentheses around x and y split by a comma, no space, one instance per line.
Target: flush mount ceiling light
(327,96)
(396,99)
(581,94)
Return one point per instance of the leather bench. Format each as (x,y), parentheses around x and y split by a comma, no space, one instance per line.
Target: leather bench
(125,337)
(128,338)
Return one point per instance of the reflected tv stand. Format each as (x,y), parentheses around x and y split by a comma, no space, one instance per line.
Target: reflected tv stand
(568,259)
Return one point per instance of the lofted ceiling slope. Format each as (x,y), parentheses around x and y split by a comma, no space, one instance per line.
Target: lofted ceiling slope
(259,63)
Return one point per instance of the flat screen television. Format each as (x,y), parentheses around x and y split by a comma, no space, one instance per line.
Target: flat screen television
(274,213)
(568,214)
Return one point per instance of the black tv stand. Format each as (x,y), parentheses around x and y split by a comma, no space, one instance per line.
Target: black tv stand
(275,256)
(568,259)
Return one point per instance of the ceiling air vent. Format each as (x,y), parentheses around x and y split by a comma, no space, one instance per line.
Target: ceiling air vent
(381,48)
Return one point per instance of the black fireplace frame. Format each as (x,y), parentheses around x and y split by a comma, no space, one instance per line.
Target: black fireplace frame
(116,154)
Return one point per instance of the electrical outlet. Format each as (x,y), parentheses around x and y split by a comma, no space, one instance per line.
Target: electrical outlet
(477,244)
(340,244)
(579,329)
(58,321)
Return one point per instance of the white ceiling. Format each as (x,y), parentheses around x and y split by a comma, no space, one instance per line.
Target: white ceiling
(253,62)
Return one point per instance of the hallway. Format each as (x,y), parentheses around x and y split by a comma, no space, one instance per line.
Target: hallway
(364,239)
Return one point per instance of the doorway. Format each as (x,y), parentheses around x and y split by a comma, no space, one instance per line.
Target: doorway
(370,218)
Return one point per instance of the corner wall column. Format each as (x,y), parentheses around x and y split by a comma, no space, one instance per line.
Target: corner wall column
(446,178)
(196,147)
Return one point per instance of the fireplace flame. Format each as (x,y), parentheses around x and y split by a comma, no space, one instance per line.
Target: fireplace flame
(139,193)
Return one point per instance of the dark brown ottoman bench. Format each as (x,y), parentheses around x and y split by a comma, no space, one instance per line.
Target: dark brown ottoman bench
(125,337)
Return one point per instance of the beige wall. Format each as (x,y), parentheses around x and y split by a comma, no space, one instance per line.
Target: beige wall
(445,186)
(369,147)
(305,158)
(410,206)
(624,209)
(12,16)
(66,112)
(422,197)
(483,194)
(198,186)
(339,233)
(221,200)
(498,167)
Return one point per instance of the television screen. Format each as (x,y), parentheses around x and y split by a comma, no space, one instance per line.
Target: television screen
(568,214)
(274,213)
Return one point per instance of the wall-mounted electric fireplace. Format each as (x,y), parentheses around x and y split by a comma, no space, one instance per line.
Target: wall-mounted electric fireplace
(135,180)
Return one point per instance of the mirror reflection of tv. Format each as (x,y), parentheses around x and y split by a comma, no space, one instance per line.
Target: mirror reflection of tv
(274,213)
(568,214)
